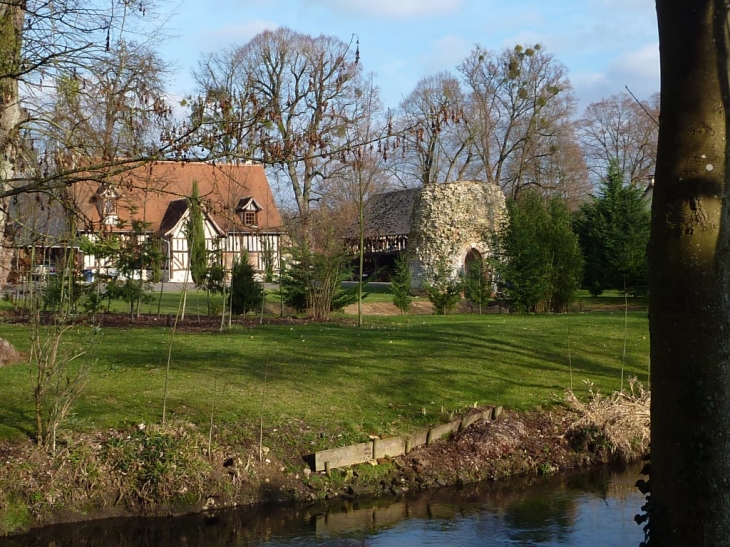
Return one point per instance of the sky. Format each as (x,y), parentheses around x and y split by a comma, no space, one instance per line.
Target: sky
(606,45)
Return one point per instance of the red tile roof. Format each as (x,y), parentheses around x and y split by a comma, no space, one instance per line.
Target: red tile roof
(154,193)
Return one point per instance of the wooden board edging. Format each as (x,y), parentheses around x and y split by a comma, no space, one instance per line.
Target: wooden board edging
(355,454)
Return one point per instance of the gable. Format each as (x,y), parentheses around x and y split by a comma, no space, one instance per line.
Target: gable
(174,214)
(177,214)
(248,204)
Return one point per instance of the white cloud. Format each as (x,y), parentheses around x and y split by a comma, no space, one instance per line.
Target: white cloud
(390,8)
(234,34)
(642,63)
(638,69)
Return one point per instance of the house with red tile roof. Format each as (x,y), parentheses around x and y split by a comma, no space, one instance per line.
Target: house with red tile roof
(150,201)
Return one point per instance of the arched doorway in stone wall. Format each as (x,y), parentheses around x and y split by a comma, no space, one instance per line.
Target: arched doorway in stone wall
(471,257)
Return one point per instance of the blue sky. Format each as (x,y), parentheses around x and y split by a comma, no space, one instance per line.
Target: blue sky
(605,44)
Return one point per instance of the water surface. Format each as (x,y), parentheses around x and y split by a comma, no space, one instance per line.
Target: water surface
(593,508)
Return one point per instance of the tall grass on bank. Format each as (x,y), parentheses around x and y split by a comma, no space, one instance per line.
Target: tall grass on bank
(621,419)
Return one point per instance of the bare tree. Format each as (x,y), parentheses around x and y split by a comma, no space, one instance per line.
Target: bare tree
(114,108)
(518,100)
(438,144)
(359,173)
(285,99)
(553,166)
(45,51)
(619,128)
(109,111)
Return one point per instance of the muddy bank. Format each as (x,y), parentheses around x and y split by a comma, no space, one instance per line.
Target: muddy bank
(178,469)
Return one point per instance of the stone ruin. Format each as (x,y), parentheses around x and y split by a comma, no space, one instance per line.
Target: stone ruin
(452,221)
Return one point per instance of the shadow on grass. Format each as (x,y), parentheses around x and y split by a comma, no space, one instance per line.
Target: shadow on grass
(339,374)
(16,422)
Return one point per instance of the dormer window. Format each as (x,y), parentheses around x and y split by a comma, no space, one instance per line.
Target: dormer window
(109,207)
(248,210)
(105,200)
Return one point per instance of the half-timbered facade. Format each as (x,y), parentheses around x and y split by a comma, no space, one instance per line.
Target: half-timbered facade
(386,228)
(150,202)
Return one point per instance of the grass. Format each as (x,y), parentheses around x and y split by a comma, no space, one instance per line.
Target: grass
(395,374)
(377,292)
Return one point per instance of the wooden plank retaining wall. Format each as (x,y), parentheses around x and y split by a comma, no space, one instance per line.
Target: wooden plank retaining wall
(395,446)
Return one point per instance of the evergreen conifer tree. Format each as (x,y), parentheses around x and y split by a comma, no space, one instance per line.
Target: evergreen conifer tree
(195,234)
(613,231)
(400,284)
(541,264)
(247,293)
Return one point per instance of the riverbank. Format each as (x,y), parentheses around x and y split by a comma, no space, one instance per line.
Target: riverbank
(154,470)
(314,386)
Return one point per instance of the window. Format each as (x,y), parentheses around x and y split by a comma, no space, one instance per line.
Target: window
(105,200)
(110,207)
(249,218)
(107,208)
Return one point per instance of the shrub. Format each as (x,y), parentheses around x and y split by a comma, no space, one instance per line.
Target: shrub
(619,423)
(313,280)
(158,463)
(247,293)
(443,289)
(478,284)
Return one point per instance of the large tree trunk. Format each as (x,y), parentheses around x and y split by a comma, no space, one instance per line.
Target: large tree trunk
(12,17)
(690,288)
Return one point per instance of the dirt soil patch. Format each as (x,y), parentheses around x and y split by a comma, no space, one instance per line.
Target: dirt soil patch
(419,306)
(536,442)
(518,444)
(191,323)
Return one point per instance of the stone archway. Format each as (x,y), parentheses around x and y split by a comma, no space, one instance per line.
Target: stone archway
(471,257)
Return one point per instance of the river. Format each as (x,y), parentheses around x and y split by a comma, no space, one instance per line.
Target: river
(589,508)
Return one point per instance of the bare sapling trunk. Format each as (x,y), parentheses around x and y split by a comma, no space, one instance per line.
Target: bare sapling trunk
(59,370)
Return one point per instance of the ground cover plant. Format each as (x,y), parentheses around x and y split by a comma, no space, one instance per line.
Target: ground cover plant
(345,383)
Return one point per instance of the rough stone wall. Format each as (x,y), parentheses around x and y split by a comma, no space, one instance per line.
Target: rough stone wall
(448,221)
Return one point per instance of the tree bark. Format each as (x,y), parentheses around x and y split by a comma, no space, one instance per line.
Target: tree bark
(690,288)
(12,17)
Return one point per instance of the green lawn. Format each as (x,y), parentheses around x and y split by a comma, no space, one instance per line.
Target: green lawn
(395,374)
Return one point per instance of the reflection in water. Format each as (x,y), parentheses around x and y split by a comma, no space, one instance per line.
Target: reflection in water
(593,508)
